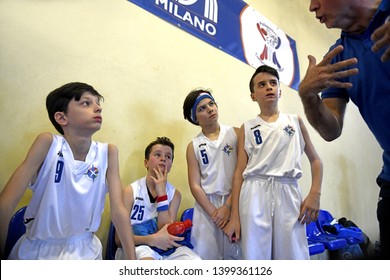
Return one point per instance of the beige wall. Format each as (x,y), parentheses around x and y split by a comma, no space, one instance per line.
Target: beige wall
(144,67)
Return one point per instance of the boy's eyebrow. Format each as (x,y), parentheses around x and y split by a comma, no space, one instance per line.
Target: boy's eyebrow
(201,106)
(86,95)
(160,151)
(90,97)
(204,105)
(271,80)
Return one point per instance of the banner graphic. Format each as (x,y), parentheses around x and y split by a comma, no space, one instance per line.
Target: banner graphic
(235,28)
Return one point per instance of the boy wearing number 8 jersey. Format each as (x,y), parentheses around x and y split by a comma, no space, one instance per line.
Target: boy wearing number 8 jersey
(268,212)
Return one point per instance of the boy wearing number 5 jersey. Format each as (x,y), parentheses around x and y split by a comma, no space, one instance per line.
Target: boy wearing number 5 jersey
(211,159)
(153,204)
(268,212)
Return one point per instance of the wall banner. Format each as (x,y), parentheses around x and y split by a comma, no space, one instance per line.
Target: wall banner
(235,28)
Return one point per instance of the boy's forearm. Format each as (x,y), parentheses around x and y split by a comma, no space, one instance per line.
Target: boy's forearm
(129,248)
(143,240)
(203,201)
(317,174)
(6,211)
(234,197)
(125,233)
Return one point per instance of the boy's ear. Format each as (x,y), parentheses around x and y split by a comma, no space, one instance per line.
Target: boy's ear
(61,118)
(253,96)
(146,163)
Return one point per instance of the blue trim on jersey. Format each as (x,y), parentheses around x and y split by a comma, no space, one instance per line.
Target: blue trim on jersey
(145,228)
(162,208)
(150,227)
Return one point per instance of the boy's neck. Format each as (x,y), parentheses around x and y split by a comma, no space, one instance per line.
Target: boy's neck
(212,131)
(151,192)
(79,145)
(269,116)
(150,185)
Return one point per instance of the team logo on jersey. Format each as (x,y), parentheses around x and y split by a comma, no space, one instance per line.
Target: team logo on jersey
(227,149)
(60,154)
(92,172)
(289,130)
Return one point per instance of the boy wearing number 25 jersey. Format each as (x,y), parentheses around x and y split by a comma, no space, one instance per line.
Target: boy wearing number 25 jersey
(153,204)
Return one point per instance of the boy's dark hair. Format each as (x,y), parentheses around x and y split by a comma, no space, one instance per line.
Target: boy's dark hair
(262,69)
(58,99)
(190,101)
(162,141)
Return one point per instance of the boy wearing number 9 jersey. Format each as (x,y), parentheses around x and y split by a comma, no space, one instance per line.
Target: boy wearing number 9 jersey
(70,176)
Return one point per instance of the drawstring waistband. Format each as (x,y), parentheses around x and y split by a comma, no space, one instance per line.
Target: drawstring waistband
(270,181)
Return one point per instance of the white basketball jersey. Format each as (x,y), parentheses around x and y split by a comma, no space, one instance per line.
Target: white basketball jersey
(274,149)
(68,196)
(144,210)
(217,160)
